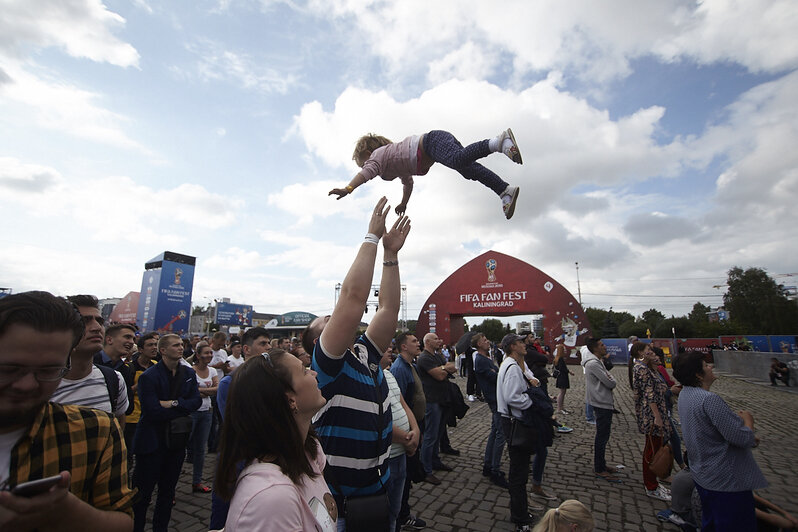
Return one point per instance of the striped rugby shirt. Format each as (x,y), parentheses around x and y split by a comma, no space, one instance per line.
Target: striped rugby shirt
(348,425)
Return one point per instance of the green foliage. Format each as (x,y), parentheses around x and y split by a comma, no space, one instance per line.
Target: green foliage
(699,313)
(492,328)
(757,303)
(633,328)
(653,317)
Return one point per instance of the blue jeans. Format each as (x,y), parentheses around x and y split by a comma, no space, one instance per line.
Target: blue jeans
(603,427)
(201,427)
(396,486)
(589,414)
(430,448)
(495,446)
(442,147)
(538,465)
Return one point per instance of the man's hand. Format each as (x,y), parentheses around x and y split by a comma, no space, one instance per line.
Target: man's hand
(748,419)
(166,404)
(37,512)
(395,238)
(449,368)
(401,208)
(340,192)
(377,222)
(412,442)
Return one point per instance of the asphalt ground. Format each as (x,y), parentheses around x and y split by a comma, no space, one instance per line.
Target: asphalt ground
(467,501)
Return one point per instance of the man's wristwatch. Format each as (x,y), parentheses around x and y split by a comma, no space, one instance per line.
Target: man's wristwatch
(175,403)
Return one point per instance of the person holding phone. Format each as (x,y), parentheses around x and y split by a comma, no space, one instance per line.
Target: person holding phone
(60,465)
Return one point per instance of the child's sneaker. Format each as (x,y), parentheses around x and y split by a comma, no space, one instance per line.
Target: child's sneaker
(509,197)
(659,493)
(510,147)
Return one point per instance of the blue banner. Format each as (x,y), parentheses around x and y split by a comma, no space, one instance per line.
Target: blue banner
(234,314)
(783,344)
(148,300)
(165,299)
(617,350)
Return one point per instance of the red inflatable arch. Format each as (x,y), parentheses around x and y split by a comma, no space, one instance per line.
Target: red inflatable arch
(495,284)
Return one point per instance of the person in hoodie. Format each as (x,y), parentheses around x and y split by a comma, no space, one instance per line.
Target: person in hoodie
(599,385)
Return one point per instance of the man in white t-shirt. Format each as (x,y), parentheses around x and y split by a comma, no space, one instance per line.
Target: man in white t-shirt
(85,384)
(220,356)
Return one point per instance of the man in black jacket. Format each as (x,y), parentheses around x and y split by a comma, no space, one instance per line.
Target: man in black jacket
(167,391)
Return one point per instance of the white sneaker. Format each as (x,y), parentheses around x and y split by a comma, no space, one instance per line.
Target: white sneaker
(659,493)
(510,149)
(471,398)
(509,198)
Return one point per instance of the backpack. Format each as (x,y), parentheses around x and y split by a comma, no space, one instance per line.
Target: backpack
(112,383)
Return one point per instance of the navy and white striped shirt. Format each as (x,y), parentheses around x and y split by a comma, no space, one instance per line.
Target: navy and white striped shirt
(719,443)
(349,424)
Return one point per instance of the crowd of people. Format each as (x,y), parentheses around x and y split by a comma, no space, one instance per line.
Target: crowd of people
(331,431)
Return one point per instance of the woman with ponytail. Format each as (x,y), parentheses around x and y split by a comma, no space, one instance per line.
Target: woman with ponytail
(570,516)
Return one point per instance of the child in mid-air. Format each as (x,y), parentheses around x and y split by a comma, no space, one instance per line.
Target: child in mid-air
(378,156)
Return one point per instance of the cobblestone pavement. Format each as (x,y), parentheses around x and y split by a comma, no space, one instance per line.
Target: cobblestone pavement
(466,501)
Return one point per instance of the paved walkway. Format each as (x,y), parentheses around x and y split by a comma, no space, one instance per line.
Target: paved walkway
(466,501)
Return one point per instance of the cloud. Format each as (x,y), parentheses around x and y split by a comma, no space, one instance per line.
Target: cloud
(589,40)
(81,27)
(656,228)
(217,63)
(61,106)
(16,176)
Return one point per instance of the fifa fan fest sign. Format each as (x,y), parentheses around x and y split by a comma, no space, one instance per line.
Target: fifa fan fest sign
(234,314)
(165,298)
(495,284)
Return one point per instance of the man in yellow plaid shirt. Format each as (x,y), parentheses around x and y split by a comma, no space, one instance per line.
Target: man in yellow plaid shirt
(39,439)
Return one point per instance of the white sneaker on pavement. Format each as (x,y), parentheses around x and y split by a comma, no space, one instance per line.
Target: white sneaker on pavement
(659,493)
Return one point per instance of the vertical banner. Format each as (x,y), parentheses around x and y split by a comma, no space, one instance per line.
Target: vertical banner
(165,299)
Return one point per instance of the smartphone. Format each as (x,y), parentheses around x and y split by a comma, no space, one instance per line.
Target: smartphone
(35,487)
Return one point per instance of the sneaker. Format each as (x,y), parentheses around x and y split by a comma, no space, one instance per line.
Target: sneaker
(664,489)
(660,494)
(509,198)
(486,472)
(591,422)
(471,398)
(500,480)
(532,506)
(564,429)
(442,467)
(538,492)
(451,451)
(523,528)
(565,412)
(511,150)
(414,523)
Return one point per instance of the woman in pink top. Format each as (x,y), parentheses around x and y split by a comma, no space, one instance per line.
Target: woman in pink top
(378,156)
(267,427)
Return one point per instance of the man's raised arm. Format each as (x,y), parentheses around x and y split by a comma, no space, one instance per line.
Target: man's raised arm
(340,330)
(383,327)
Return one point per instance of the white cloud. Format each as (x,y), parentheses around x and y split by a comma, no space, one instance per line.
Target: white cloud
(217,63)
(58,105)
(81,27)
(591,40)
(27,178)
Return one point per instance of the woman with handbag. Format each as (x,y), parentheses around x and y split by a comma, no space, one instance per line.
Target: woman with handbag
(652,416)
(720,442)
(267,426)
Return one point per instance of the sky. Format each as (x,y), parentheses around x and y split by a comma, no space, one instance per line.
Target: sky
(659,143)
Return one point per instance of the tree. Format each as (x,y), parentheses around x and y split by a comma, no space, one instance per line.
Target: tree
(758,304)
(683,326)
(653,317)
(609,329)
(699,313)
(492,328)
(633,328)
(596,317)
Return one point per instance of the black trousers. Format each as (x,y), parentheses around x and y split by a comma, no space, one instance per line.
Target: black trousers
(161,468)
(603,428)
(517,477)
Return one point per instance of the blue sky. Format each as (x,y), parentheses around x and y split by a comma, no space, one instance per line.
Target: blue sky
(658,141)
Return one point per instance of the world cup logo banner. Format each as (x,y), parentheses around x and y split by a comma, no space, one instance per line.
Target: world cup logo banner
(178,275)
(490,265)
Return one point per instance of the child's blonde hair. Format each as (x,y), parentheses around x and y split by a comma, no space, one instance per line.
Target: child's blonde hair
(570,512)
(366,145)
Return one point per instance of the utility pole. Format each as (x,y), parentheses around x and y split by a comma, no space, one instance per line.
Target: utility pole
(578,286)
